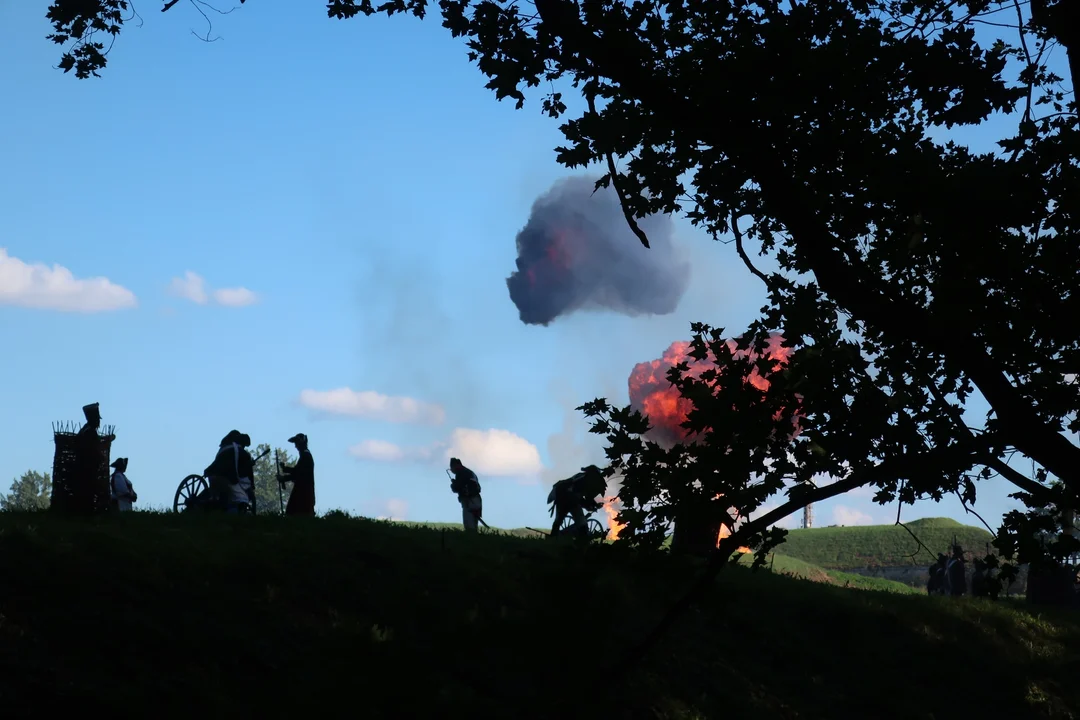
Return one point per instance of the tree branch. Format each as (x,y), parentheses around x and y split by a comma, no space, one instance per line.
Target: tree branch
(1014,476)
(616,185)
(920,545)
(972,511)
(742,252)
(1019,479)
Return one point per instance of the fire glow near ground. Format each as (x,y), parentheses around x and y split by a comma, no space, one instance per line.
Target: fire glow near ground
(653,395)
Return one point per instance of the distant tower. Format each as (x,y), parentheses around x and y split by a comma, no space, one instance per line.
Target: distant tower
(808,517)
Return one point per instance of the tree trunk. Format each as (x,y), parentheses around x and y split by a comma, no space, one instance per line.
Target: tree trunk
(696,532)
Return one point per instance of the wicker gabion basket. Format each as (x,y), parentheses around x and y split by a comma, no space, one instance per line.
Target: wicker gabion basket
(72,491)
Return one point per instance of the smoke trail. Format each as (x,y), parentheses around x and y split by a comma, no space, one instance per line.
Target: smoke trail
(577,253)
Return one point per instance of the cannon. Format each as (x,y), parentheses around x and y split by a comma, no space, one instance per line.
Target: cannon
(193,493)
(594,529)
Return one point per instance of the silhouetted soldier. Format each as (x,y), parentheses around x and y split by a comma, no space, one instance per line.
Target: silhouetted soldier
(979,585)
(575,496)
(302,476)
(467,487)
(231,474)
(936,583)
(89,456)
(993,584)
(955,580)
(123,494)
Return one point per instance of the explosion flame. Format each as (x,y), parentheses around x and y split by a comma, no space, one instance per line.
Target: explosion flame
(653,395)
(614,526)
(724,532)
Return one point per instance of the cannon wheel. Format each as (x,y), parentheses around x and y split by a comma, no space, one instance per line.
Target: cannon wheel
(593,528)
(190,488)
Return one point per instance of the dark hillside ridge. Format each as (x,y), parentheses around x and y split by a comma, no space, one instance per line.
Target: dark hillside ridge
(271,617)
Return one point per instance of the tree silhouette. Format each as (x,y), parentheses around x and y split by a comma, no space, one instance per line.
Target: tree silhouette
(267,499)
(29,492)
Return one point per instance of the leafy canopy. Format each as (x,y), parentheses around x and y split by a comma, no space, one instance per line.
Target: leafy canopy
(31,491)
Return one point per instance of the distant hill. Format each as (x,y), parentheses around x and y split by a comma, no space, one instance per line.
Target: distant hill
(868,546)
(793,567)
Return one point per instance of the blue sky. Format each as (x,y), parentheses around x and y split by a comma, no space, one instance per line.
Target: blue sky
(349,194)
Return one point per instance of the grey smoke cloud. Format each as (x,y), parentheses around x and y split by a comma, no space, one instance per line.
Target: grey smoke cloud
(577,253)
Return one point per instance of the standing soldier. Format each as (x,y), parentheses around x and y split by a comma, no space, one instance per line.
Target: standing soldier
(955,577)
(302,476)
(123,494)
(231,474)
(467,487)
(90,457)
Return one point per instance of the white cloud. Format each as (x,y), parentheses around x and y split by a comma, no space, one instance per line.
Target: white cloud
(492,452)
(235,297)
(40,287)
(190,287)
(844,515)
(369,404)
(193,287)
(495,452)
(378,450)
(397,510)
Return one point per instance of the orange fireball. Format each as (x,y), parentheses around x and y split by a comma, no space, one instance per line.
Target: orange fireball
(653,395)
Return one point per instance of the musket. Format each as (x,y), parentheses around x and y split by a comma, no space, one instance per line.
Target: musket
(277,475)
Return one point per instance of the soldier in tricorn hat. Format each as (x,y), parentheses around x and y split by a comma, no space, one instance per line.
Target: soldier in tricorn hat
(302,476)
(123,494)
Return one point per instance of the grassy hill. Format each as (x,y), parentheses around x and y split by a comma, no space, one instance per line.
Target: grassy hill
(794,567)
(840,548)
(249,617)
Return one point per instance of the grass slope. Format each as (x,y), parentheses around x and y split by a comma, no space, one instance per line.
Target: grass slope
(782,564)
(248,617)
(794,567)
(840,548)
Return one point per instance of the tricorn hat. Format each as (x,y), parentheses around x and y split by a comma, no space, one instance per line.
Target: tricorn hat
(298,438)
(120,464)
(244,440)
(91,409)
(454,461)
